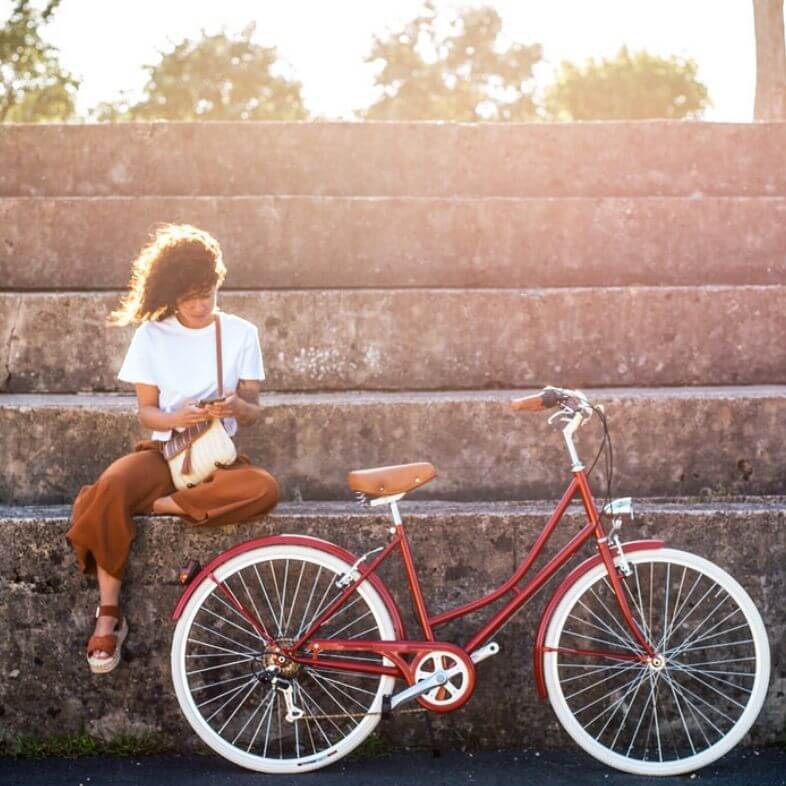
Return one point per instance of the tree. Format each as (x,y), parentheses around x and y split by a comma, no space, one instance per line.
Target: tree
(33,85)
(214,78)
(439,68)
(627,87)
(770,103)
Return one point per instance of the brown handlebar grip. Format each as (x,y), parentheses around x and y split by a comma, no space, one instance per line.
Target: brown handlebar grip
(546,399)
(531,403)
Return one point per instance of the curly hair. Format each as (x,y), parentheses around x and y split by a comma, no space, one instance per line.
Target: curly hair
(179,260)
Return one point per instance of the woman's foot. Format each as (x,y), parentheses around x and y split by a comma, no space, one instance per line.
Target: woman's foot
(166,506)
(104,648)
(105,626)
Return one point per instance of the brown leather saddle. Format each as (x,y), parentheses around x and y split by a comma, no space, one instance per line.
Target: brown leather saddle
(386,481)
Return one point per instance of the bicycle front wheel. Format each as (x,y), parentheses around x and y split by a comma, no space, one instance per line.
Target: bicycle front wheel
(218,661)
(676,714)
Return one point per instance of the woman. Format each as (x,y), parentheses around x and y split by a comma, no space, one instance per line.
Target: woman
(172,363)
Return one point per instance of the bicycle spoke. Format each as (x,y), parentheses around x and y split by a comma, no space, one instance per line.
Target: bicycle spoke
(209,685)
(635,689)
(283,597)
(267,711)
(692,637)
(337,633)
(219,666)
(234,690)
(236,710)
(707,685)
(248,631)
(278,595)
(600,682)
(248,720)
(595,670)
(294,598)
(702,647)
(675,608)
(626,634)
(330,694)
(233,693)
(214,632)
(301,628)
(592,638)
(334,681)
(264,592)
(712,674)
(306,721)
(216,647)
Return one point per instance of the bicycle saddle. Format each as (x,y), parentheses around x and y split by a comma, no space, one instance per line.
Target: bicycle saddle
(382,481)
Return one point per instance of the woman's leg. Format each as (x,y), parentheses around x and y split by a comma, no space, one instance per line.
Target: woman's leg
(166,506)
(102,526)
(109,595)
(237,493)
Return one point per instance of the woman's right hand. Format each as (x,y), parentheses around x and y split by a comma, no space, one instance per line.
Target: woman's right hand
(189,414)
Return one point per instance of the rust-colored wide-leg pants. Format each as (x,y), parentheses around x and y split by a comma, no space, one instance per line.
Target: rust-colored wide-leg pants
(102,525)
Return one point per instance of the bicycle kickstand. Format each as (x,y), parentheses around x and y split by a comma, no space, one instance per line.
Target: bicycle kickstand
(435,751)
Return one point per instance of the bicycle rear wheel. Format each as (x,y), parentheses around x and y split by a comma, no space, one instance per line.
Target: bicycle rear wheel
(662,718)
(218,660)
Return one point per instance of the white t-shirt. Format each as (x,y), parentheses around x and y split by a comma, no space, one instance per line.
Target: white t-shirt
(181,361)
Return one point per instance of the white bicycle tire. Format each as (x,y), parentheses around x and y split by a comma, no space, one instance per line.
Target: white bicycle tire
(217,743)
(687,764)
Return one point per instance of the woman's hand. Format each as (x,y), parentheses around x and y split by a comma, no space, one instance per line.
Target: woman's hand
(231,407)
(190,413)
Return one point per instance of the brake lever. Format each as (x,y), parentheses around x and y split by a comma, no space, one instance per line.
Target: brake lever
(564,413)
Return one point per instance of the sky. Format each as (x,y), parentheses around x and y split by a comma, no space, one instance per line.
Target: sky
(323,44)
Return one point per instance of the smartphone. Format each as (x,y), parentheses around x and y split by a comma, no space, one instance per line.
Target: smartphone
(204,401)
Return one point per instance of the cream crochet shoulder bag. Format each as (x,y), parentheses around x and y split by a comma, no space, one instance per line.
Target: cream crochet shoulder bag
(194,454)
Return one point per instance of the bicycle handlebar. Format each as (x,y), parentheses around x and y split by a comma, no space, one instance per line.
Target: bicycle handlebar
(546,399)
(575,409)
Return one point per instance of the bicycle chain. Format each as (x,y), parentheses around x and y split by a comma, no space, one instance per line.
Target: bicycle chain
(360,714)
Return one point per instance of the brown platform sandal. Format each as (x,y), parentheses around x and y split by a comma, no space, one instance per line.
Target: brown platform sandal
(110,642)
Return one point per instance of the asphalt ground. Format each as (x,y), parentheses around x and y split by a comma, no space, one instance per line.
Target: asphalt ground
(552,767)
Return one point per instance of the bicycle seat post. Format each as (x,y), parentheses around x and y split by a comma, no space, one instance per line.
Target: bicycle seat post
(395,513)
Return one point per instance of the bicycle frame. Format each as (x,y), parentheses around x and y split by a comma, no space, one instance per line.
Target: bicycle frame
(394,650)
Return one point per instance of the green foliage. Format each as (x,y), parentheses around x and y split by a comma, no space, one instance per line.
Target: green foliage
(452,68)
(214,78)
(60,745)
(84,744)
(627,87)
(33,86)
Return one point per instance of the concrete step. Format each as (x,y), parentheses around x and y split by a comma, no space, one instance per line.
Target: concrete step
(667,441)
(461,551)
(487,159)
(318,241)
(432,339)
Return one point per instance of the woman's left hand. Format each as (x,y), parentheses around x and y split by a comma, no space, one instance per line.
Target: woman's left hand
(231,407)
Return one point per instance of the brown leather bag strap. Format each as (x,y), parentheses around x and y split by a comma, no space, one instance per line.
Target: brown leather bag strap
(219,363)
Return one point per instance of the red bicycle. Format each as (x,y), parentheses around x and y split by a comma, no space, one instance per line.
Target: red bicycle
(288,649)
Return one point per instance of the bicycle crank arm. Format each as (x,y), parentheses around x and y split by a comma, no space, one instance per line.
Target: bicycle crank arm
(424,686)
(492,648)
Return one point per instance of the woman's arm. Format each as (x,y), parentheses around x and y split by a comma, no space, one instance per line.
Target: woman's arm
(243,404)
(150,416)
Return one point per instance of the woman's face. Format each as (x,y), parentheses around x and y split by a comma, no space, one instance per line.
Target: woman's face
(195,310)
